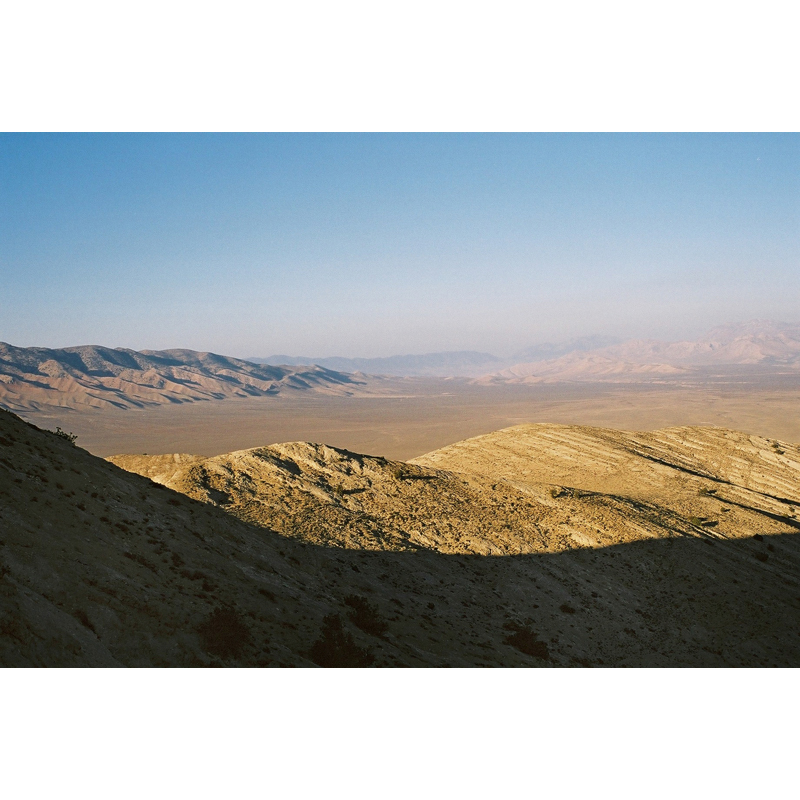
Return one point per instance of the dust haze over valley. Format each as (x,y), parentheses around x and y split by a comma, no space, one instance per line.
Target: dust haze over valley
(744,376)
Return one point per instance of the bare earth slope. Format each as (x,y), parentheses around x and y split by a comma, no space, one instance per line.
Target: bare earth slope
(33,378)
(329,496)
(527,489)
(734,483)
(99,566)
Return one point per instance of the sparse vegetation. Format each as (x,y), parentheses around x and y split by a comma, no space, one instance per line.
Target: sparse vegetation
(365,616)
(526,641)
(223,633)
(575,494)
(70,437)
(491,542)
(83,618)
(337,648)
(142,560)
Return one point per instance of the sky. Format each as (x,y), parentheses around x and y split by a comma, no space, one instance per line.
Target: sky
(379,244)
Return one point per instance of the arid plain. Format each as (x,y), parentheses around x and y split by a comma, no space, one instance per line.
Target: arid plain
(420,415)
(745,377)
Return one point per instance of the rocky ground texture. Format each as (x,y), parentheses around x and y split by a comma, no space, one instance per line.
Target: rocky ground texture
(535,546)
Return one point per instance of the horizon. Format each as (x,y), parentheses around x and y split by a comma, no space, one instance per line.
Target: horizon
(574,342)
(374,245)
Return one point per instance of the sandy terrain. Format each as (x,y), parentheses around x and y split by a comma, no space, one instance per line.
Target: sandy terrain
(432,414)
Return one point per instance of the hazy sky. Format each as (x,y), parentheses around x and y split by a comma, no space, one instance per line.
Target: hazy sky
(370,245)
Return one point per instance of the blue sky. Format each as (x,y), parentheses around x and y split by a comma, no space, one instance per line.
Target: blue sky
(370,245)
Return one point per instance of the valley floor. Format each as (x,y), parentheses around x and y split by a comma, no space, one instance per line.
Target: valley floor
(420,415)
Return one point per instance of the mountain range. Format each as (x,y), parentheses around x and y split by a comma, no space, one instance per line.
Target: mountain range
(772,346)
(32,378)
(37,378)
(462,363)
(449,364)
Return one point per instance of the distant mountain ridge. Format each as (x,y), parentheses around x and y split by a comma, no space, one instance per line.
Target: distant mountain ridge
(462,363)
(35,378)
(32,378)
(756,343)
(548,350)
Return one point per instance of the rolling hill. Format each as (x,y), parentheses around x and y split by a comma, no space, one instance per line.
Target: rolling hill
(526,489)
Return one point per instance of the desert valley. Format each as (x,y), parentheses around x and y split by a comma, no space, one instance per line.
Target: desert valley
(399,400)
(624,505)
(121,401)
(343,450)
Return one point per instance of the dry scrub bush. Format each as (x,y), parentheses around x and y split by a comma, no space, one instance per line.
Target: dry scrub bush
(365,616)
(223,633)
(70,437)
(336,647)
(525,640)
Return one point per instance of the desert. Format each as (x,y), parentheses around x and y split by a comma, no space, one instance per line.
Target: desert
(675,548)
(121,401)
(399,402)
(347,414)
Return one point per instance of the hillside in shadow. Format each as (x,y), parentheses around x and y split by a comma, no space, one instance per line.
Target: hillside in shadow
(102,567)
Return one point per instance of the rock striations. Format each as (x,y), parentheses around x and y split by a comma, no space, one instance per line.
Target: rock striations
(527,489)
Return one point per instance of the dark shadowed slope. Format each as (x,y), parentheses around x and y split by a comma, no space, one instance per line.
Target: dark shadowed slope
(33,378)
(99,566)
